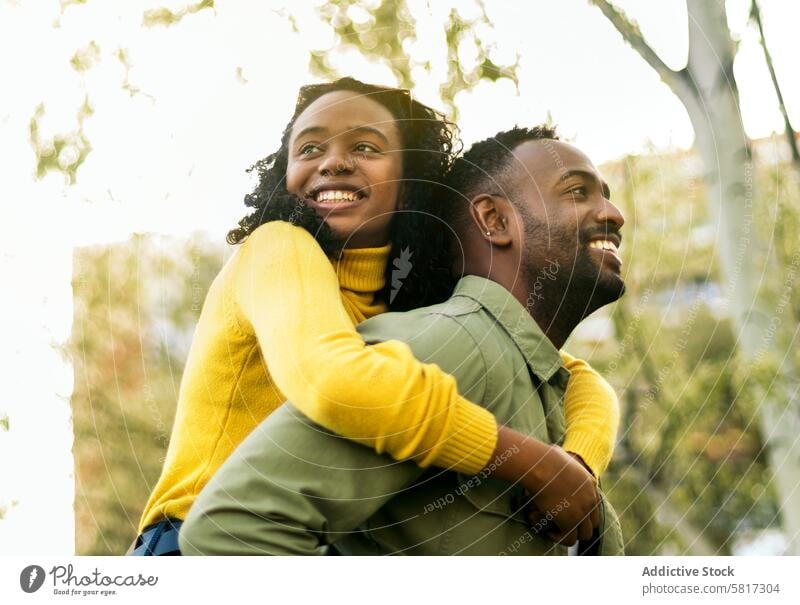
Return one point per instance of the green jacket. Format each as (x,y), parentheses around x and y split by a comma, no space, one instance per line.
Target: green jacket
(292,487)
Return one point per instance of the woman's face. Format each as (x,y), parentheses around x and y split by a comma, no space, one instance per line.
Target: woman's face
(346,162)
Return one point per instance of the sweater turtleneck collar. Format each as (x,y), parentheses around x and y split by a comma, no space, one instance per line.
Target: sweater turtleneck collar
(362,270)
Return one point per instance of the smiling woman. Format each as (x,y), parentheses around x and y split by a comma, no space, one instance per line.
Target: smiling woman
(346,162)
(405,133)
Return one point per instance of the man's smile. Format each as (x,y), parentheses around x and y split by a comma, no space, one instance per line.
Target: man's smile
(607,248)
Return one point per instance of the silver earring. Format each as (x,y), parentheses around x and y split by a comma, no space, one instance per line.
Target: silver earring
(488,233)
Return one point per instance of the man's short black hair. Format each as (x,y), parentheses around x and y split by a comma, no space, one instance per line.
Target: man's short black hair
(487,167)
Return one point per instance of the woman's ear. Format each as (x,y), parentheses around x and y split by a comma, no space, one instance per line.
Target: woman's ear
(490,213)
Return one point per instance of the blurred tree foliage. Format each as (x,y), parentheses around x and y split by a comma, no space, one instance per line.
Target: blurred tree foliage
(381,30)
(690,475)
(385,31)
(63,152)
(136,305)
(166,17)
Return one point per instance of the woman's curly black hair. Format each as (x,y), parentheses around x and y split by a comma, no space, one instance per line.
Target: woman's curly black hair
(429,147)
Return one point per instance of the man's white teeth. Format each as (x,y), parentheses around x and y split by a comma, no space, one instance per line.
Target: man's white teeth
(604,244)
(336,196)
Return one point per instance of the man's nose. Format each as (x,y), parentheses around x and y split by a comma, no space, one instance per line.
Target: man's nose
(336,162)
(609,213)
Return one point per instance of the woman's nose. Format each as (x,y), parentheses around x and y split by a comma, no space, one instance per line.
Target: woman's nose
(336,163)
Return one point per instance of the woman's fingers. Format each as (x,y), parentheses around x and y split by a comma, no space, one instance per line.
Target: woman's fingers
(540,523)
(585,531)
(595,516)
(565,538)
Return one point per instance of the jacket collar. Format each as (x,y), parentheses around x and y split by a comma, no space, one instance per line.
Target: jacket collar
(540,354)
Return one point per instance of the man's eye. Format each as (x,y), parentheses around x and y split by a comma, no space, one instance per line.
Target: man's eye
(578,191)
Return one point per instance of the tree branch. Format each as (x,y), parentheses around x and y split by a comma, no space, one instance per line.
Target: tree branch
(633,36)
(755,15)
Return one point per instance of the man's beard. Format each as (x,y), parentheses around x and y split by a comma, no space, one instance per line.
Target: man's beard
(593,285)
(562,276)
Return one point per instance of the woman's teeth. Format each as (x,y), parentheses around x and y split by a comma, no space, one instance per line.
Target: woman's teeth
(336,196)
(604,244)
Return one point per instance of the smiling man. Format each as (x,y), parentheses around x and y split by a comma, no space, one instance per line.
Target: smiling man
(567,263)
(533,216)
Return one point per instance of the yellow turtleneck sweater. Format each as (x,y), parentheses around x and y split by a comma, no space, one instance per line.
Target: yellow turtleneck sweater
(280,313)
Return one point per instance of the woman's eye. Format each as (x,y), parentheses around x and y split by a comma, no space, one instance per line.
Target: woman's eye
(578,191)
(309,149)
(366,148)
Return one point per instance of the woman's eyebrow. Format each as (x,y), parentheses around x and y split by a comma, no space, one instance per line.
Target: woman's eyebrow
(311,130)
(369,130)
(348,130)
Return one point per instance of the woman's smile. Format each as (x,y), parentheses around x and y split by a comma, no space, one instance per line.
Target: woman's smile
(336,195)
(347,163)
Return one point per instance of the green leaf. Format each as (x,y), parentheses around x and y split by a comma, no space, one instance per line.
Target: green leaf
(166,17)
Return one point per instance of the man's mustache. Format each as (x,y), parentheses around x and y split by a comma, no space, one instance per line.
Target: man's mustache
(606,230)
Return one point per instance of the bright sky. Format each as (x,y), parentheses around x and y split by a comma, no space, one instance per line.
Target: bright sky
(171,159)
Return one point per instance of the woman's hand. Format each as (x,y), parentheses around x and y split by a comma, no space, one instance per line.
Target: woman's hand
(561,489)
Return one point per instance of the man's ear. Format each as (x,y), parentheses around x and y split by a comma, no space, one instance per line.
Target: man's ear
(491,214)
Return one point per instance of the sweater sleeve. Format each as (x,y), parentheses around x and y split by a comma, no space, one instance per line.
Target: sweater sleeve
(591,411)
(378,395)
